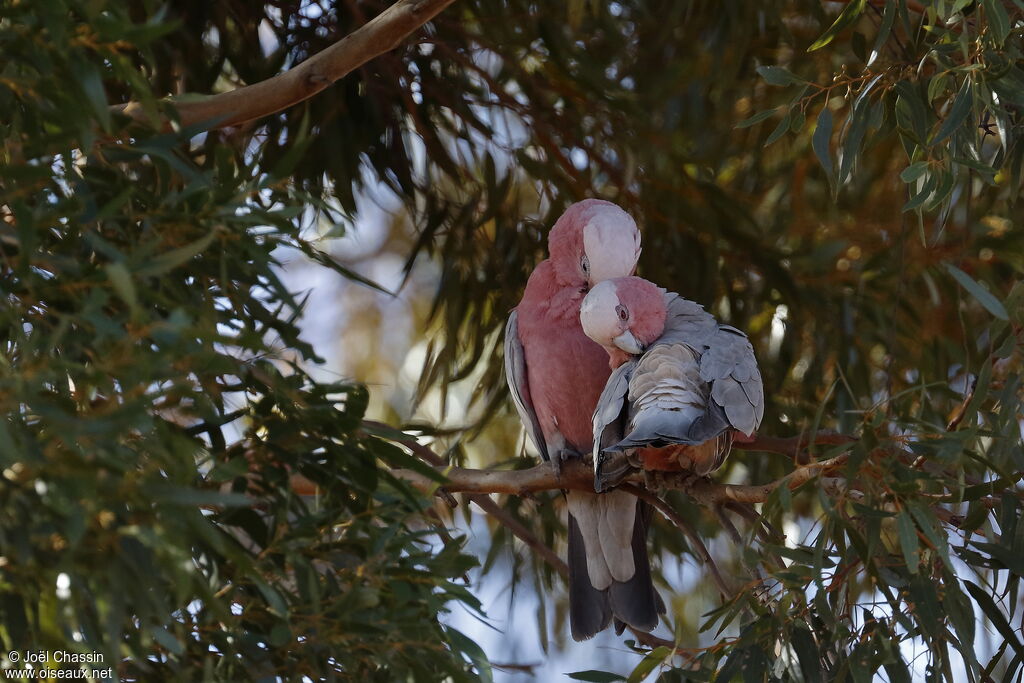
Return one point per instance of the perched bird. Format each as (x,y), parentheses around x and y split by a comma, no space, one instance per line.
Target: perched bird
(556,375)
(682,384)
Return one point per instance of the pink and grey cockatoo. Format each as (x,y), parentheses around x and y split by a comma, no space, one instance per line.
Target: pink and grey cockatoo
(556,375)
(682,386)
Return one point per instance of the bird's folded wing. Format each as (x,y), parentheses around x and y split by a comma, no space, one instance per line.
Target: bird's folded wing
(608,415)
(669,401)
(519,386)
(729,366)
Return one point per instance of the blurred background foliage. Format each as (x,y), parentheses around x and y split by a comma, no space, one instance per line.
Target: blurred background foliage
(183,326)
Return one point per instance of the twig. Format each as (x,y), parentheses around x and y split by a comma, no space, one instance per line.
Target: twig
(522,668)
(382,34)
(652,641)
(701,550)
(522,533)
(793,446)
(482,501)
(766,534)
(727,524)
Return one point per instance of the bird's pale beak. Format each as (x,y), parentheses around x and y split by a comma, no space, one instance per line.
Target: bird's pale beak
(628,343)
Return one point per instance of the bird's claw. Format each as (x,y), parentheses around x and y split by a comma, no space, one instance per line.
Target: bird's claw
(561,457)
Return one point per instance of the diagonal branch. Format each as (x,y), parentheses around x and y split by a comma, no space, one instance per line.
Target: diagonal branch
(381,34)
(700,550)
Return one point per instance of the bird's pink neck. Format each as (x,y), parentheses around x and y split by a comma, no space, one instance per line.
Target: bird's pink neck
(616,357)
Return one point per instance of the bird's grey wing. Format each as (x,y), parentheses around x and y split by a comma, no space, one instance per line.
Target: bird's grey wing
(686,322)
(669,402)
(609,420)
(519,386)
(729,366)
(610,406)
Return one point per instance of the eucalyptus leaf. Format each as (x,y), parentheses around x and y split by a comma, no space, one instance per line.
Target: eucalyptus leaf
(984,297)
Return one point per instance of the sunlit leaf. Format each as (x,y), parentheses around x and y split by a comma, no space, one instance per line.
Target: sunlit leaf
(850,12)
(984,297)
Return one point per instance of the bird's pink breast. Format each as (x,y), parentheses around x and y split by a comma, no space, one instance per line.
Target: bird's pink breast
(566,369)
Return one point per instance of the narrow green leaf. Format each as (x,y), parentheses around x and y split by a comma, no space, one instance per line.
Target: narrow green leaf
(467,646)
(925,599)
(943,190)
(121,281)
(986,298)
(798,120)
(978,166)
(596,676)
(995,615)
(884,29)
(325,259)
(755,119)
(922,195)
(957,112)
(176,257)
(914,171)
(91,83)
(853,137)
(912,113)
(998,20)
(166,640)
(845,18)
(821,139)
(807,654)
(897,670)
(653,659)
(780,130)
(777,75)
(908,541)
(275,602)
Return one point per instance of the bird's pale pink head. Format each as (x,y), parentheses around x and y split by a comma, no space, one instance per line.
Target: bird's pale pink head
(592,241)
(626,314)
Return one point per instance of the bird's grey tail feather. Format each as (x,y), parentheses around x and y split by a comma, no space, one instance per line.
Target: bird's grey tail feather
(589,609)
(635,602)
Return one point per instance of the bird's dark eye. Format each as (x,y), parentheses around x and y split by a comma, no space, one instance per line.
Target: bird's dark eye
(585,264)
(622,312)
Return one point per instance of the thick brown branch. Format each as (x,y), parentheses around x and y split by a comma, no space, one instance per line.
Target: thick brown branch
(382,34)
(576,475)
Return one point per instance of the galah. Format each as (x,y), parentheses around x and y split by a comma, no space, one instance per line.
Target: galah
(556,374)
(682,385)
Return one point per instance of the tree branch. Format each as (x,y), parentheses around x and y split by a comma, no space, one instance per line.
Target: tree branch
(578,476)
(700,550)
(381,34)
(795,447)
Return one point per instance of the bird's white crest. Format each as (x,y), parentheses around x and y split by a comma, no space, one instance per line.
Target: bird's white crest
(611,242)
(598,314)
